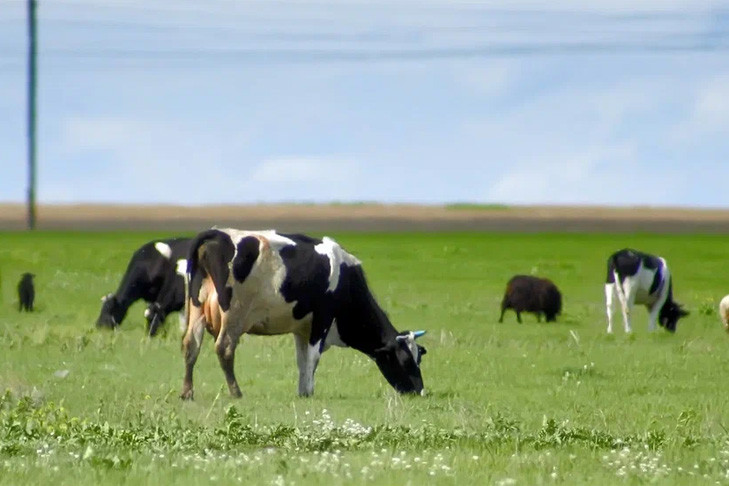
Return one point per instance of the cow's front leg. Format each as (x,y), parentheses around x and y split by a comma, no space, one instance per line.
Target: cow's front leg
(626,295)
(225,348)
(609,305)
(191,348)
(307,359)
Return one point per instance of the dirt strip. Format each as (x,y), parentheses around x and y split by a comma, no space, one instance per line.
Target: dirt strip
(370,217)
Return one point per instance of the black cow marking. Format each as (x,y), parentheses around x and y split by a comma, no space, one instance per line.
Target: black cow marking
(245,258)
(307,277)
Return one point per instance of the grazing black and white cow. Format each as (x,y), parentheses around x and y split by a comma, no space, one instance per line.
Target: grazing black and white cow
(156,273)
(635,277)
(267,283)
(525,293)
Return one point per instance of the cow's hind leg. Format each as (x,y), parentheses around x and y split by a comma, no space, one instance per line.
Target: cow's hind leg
(191,348)
(307,359)
(225,348)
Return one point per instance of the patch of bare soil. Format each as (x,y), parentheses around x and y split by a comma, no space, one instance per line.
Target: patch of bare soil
(370,217)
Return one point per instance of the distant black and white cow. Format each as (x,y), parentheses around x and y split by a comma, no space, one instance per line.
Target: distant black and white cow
(525,293)
(635,277)
(724,312)
(156,273)
(267,283)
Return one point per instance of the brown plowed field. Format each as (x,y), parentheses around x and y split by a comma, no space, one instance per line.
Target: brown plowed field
(371,217)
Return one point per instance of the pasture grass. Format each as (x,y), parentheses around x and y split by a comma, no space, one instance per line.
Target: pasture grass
(506,403)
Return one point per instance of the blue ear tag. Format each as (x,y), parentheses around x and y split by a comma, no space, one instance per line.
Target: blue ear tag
(417,334)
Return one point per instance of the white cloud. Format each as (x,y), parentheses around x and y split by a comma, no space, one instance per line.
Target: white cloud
(162,161)
(321,170)
(133,160)
(711,111)
(581,144)
(707,117)
(98,133)
(492,79)
(598,175)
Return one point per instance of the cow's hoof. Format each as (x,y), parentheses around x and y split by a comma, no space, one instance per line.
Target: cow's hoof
(186,395)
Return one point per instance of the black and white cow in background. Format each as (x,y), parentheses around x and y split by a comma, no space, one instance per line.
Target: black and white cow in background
(267,283)
(640,278)
(156,273)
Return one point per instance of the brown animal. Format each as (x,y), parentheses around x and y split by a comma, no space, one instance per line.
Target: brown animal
(525,293)
(26,293)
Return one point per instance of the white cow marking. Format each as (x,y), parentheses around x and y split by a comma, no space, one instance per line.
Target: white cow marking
(164,249)
(333,338)
(181,268)
(409,340)
(275,240)
(331,249)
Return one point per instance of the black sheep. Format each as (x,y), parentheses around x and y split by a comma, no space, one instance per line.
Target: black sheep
(26,293)
(525,293)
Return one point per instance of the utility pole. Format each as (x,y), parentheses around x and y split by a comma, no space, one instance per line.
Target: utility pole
(31,111)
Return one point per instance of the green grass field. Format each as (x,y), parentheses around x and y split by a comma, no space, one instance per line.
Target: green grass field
(506,403)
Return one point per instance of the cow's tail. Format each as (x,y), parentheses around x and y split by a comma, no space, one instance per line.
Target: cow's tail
(186,308)
(210,253)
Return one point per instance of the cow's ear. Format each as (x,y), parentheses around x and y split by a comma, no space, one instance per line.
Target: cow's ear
(383,351)
(683,312)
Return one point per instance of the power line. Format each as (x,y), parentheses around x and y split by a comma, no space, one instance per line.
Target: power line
(366,54)
(107,58)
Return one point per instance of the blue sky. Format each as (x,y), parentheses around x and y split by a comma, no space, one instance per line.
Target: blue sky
(185,102)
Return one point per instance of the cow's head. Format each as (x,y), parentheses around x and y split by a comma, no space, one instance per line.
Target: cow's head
(155,317)
(670,314)
(399,362)
(112,312)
